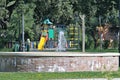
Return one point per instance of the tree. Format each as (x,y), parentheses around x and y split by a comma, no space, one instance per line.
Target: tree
(59,11)
(7,8)
(16,23)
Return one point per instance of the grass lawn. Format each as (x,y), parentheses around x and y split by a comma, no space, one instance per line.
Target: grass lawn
(56,75)
(69,50)
(5,49)
(96,50)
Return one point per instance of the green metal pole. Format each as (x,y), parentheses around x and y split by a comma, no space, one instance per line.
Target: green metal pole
(23,41)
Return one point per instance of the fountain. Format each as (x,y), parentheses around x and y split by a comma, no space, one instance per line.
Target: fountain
(61,42)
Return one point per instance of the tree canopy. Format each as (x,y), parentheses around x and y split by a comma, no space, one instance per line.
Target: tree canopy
(58,11)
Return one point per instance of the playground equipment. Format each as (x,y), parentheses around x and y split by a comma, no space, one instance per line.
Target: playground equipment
(43,40)
(41,43)
(53,34)
(73,36)
(44,36)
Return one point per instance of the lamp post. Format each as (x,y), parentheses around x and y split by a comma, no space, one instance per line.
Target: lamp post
(23,40)
(19,24)
(22,14)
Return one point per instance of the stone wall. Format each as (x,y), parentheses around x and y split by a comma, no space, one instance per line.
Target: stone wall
(58,63)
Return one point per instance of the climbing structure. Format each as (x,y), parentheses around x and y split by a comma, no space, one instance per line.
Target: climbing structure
(44,35)
(73,36)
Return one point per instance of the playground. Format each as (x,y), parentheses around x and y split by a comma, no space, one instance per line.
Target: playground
(61,38)
(56,36)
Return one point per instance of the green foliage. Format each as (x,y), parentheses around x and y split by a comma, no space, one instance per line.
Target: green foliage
(10,3)
(16,21)
(106,44)
(2,3)
(6,49)
(89,42)
(29,21)
(58,11)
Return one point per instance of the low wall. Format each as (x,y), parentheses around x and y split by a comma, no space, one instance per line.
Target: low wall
(58,61)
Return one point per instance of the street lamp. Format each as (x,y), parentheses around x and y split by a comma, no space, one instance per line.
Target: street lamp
(22,13)
(23,40)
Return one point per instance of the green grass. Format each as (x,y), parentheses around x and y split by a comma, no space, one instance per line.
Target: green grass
(69,50)
(6,49)
(56,75)
(96,50)
(103,50)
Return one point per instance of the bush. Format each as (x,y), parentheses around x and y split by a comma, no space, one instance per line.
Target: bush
(106,44)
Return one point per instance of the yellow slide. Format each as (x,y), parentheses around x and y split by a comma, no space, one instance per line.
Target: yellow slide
(41,43)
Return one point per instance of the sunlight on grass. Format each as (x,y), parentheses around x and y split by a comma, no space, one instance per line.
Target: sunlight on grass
(54,75)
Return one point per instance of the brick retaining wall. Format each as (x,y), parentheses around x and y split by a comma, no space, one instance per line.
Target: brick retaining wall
(58,63)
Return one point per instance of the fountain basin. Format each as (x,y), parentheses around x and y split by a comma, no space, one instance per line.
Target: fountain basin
(58,61)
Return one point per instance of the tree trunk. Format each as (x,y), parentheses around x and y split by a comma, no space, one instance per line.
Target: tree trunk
(83,32)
